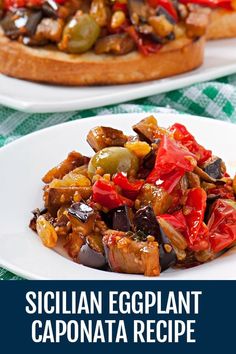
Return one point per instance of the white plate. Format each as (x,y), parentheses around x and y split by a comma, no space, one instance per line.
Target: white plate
(220,60)
(25,161)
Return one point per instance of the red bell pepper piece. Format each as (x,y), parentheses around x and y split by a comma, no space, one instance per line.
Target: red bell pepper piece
(23,3)
(105,193)
(144,47)
(120,6)
(172,179)
(172,161)
(182,135)
(129,189)
(167,5)
(7,4)
(222,225)
(226,4)
(202,242)
(194,211)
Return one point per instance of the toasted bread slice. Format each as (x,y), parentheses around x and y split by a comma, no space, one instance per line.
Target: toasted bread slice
(49,65)
(222,24)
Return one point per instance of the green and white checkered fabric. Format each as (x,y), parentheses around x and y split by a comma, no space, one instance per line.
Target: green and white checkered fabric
(215,99)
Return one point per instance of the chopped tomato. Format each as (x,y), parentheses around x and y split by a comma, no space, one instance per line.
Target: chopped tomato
(177,220)
(129,189)
(194,211)
(145,47)
(182,135)
(23,3)
(226,4)
(120,6)
(222,225)
(105,194)
(172,161)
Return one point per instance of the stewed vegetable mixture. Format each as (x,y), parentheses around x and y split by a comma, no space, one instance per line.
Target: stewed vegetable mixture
(114,27)
(141,203)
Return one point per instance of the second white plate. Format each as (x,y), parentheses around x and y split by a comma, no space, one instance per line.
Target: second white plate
(220,60)
(25,161)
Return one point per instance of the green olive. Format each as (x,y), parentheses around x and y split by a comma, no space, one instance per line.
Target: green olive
(112,160)
(80,34)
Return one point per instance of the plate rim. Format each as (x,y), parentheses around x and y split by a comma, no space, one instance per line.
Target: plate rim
(150,88)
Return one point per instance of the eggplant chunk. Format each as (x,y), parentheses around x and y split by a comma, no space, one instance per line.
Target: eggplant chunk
(50,9)
(146,221)
(196,24)
(73,160)
(148,130)
(102,137)
(138,11)
(82,218)
(64,196)
(193,180)
(117,44)
(92,253)
(20,22)
(119,218)
(49,30)
(81,211)
(213,168)
(207,178)
(155,196)
(126,255)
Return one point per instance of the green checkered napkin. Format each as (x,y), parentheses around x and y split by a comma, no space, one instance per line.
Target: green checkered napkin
(215,99)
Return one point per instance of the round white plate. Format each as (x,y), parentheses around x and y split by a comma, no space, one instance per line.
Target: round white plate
(25,161)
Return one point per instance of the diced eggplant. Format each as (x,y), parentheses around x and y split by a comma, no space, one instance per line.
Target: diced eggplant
(205,177)
(73,160)
(102,137)
(155,196)
(50,9)
(21,22)
(138,11)
(81,211)
(146,221)
(82,218)
(213,168)
(117,44)
(64,196)
(91,258)
(196,24)
(162,12)
(49,29)
(126,255)
(193,180)
(119,218)
(92,254)
(147,165)
(147,129)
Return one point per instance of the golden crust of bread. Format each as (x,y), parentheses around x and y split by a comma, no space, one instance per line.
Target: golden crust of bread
(222,24)
(52,66)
